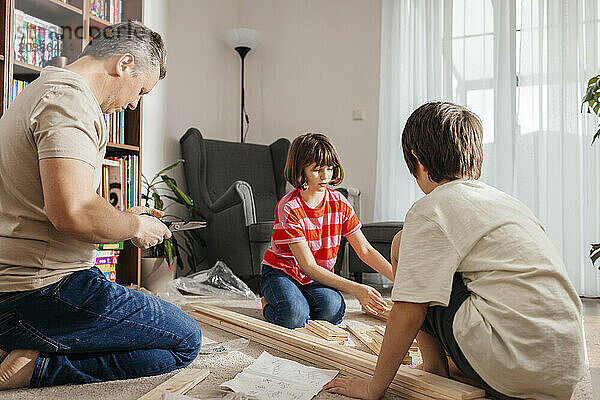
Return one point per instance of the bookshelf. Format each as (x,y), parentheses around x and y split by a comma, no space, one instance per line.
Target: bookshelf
(74,17)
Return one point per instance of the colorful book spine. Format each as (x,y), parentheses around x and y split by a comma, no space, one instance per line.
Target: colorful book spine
(110,246)
(109,271)
(36,41)
(120,181)
(122,125)
(40,38)
(30,43)
(18,87)
(106,260)
(48,46)
(108,253)
(20,43)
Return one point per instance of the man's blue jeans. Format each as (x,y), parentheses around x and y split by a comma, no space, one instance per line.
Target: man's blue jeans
(89,329)
(291,304)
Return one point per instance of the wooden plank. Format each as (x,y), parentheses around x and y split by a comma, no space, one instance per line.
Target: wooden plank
(380,329)
(334,329)
(306,331)
(363,337)
(179,383)
(317,330)
(352,358)
(377,338)
(317,360)
(328,363)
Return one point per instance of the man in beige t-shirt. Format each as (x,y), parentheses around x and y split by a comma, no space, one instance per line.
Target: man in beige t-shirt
(475,275)
(61,321)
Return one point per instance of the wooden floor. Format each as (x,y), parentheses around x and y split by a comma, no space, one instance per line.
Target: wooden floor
(591,313)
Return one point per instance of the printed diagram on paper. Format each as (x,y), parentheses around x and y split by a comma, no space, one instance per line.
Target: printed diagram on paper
(271,377)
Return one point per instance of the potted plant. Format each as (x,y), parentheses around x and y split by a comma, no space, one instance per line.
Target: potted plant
(159,267)
(592,101)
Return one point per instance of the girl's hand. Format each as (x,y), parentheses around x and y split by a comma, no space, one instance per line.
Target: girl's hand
(351,387)
(371,299)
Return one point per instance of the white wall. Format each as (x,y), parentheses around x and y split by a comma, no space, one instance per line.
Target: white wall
(317,62)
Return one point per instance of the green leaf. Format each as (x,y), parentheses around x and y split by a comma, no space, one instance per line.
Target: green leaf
(162,171)
(596,135)
(172,184)
(169,251)
(158,203)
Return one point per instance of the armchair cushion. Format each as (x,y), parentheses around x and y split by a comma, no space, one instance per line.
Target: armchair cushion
(380,235)
(382,232)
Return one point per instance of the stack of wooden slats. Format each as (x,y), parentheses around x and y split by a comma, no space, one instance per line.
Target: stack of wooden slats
(327,331)
(411,384)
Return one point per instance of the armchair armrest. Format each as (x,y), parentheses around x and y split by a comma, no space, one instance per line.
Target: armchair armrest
(354,198)
(238,192)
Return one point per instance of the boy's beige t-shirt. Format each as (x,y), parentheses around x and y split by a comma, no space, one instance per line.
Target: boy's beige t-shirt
(57,115)
(521,327)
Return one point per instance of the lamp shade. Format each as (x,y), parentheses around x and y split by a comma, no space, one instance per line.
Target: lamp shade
(242,37)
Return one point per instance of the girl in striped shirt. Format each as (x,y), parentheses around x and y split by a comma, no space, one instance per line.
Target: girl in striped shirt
(298,282)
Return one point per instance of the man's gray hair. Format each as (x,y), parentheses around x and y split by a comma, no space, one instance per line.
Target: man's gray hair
(131,37)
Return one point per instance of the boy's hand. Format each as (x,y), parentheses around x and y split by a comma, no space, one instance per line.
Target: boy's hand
(351,387)
(371,299)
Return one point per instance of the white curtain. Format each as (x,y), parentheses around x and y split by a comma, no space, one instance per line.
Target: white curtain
(522,66)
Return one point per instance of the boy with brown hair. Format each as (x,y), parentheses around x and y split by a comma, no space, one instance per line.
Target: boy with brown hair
(476,276)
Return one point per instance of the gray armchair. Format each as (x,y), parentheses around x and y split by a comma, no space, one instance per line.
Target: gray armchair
(236,187)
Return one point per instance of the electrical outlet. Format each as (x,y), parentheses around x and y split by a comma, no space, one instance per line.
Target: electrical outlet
(358,114)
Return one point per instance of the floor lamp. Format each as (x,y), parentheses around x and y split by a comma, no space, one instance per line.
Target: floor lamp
(242,40)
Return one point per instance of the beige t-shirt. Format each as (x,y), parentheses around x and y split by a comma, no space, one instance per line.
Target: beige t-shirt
(521,327)
(57,115)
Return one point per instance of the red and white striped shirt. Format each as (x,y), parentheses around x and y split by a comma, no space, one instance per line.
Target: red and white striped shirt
(322,228)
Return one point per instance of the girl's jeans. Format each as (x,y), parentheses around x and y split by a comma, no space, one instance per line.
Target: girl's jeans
(291,304)
(88,329)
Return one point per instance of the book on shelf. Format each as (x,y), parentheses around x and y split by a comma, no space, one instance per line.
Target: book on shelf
(109,247)
(36,41)
(18,87)
(116,127)
(106,261)
(120,181)
(108,10)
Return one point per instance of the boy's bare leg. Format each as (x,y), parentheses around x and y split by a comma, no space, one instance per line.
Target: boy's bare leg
(434,356)
(17,368)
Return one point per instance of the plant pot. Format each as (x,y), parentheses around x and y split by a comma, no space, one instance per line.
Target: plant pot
(156,273)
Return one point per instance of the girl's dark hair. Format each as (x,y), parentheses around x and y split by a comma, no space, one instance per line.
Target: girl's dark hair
(446,138)
(307,149)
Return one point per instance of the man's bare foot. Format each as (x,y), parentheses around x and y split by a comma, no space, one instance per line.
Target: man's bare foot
(263,302)
(17,368)
(3,355)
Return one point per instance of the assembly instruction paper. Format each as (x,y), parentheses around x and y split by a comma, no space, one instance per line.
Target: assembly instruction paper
(271,377)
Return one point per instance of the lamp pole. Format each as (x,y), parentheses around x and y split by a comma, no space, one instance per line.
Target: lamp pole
(242,50)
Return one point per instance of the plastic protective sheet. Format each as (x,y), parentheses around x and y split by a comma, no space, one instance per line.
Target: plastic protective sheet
(218,281)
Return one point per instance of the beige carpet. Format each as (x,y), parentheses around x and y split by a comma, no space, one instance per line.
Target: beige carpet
(223,367)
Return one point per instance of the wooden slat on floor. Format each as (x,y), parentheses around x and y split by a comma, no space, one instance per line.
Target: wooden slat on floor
(180,383)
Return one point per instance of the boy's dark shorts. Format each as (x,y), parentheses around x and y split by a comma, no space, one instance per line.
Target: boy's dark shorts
(438,323)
